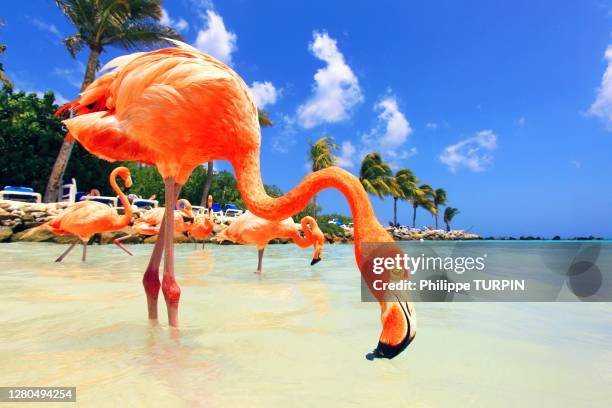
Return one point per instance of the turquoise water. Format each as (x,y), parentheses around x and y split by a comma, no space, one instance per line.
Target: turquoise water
(296,336)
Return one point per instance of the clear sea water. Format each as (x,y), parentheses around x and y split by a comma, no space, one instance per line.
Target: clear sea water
(297,336)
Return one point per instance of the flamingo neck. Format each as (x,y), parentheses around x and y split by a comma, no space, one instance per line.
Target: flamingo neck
(366,226)
(127,215)
(301,241)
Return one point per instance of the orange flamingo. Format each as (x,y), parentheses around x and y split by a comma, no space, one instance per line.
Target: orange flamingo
(177,108)
(87,218)
(150,222)
(253,230)
(203,225)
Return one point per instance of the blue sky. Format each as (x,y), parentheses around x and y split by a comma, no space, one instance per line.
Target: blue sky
(504,104)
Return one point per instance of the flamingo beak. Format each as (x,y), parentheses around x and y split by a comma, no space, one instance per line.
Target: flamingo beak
(317,254)
(128,182)
(386,350)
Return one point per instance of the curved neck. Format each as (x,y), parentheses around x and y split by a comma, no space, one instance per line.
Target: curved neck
(302,241)
(367,228)
(127,214)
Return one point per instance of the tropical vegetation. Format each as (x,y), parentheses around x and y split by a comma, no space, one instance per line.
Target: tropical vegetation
(449,214)
(321,155)
(127,24)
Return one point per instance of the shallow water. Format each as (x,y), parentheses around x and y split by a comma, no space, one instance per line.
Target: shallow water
(296,336)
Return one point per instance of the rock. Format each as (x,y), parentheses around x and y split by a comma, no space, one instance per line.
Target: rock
(33,235)
(556,238)
(66,239)
(5,215)
(5,233)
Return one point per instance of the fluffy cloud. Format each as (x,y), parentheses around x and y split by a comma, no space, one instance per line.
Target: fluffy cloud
(472,153)
(264,93)
(347,153)
(74,76)
(602,107)
(431,125)
(336,88)
(215,39)
(181,24)
(390,132)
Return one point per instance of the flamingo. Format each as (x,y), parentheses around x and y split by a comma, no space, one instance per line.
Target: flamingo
(177,108)
(87,218)
(149,223)
(202,225)
(251,229)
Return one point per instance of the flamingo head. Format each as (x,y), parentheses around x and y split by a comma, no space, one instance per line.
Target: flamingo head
(209,202)
(185,208)
(125,175)
(314,233)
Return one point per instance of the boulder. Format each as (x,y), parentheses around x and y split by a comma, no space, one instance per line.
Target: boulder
(5,233)
(33,235)
(5,215)
(66,239)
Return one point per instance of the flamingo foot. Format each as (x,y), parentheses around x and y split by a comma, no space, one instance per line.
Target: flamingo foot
(151,284)
(172,294)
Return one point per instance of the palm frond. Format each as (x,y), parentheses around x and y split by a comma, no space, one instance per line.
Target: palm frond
(264,118)
(74,44)
(141,35)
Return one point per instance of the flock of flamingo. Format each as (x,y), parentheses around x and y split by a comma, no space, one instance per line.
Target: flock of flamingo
(176,108)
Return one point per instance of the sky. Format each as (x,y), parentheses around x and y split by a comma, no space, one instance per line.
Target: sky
(505,105)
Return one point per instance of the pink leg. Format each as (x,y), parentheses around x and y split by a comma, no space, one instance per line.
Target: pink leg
(62,256)
(172,292)
(120,245)
(150,280)
(84,252)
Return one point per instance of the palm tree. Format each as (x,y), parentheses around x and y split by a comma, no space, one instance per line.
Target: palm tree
(423,198)
(439,198)
(3,78)
(407,189)
(376,177)
(449,214)
(264,121)
(127,24)
(321,155)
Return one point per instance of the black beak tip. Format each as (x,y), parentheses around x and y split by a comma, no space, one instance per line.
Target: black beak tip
(315,261)
(387,351)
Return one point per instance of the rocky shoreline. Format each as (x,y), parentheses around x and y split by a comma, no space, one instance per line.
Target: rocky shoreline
(18,220)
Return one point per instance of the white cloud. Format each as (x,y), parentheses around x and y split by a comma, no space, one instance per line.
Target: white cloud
(390,132)
(431,125)
(336,89)
(347,153)
(264,93)
(472,153)
(215,39)
(180,25)
(51,28)
(521,121)
(602,107)
(282,142)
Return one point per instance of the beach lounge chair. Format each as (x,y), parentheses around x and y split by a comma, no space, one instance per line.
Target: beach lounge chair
(199,210)
(231,211)
(112,201)
(143,203)
(217,211)
(68,191)
(20,194)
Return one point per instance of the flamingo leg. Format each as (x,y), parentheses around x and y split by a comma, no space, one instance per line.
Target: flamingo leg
(84,251)
(120,245)
(260,260)
(171,290)
(63,255)
(150,280)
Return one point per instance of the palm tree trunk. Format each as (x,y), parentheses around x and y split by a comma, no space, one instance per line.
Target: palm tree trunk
(436,217)
(61,162)
(394,212)
(414,208)
(447,227)
(207,183)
